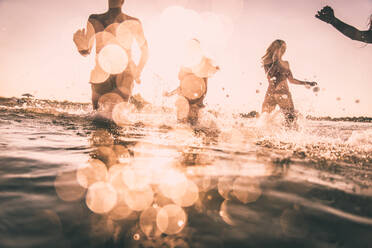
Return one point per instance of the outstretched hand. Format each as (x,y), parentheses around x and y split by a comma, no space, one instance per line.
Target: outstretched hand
(326,14)
(311,83)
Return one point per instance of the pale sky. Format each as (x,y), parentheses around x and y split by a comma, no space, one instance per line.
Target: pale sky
(39,57)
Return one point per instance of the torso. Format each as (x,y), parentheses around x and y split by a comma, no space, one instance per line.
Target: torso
(109,22)
(277,73)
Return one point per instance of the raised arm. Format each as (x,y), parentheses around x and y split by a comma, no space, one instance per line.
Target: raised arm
(326,14)
(84,39)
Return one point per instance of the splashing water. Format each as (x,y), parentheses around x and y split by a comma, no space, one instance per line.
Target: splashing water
(69,181)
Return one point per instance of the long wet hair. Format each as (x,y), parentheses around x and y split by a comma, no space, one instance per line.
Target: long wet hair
(271,52)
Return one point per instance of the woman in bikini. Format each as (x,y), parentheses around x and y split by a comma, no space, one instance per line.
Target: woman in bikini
(277,72)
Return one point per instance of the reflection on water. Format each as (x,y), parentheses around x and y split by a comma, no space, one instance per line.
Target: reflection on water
(150,181)
(68,182)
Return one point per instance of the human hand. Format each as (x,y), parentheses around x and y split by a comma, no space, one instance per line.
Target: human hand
(326,14)
(81,40)
(311,83)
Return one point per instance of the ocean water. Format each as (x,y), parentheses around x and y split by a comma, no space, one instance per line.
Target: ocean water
(67,180)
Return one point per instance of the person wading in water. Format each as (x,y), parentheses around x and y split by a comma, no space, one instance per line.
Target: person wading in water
(114,33)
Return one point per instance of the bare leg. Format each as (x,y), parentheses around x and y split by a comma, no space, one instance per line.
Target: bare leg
(269,103)
(285,103)
(99,90)
(124,85)
(193,115)
(95,97)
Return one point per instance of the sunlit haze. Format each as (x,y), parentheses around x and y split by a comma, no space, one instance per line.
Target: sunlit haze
(39,57)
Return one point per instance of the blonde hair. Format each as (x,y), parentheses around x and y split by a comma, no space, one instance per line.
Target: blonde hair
(271,52)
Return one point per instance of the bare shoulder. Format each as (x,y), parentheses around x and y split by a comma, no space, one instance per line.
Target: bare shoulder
(131,18)
(125,17)
(97,21)
(97,17)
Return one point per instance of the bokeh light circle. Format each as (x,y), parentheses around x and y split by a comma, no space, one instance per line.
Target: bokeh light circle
(139,200)
(192,87)
(189,197)
(175,184)
(122,112)
(128,31)
(225,215)
(171,219)
(98,75)
(67,187)
(106,104)
(246,189)
(225,185)
(93,171)
(113,59)
(101,198)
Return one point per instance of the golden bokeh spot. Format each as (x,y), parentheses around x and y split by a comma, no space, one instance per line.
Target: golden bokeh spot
(113,59)
(93,171)
(104,38)
(107,102)
(121,210)
(131,175)
(225,214)
(115,178)
(127,32)
(189,197)
(246,189)
(148,224)
(98,75)
(136,236)
(122,112)
(101,197)
(175,184)
(139,200)
(67,187)
(183,107)
(192,87)
(171,219)
(225,185)
(204,183)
